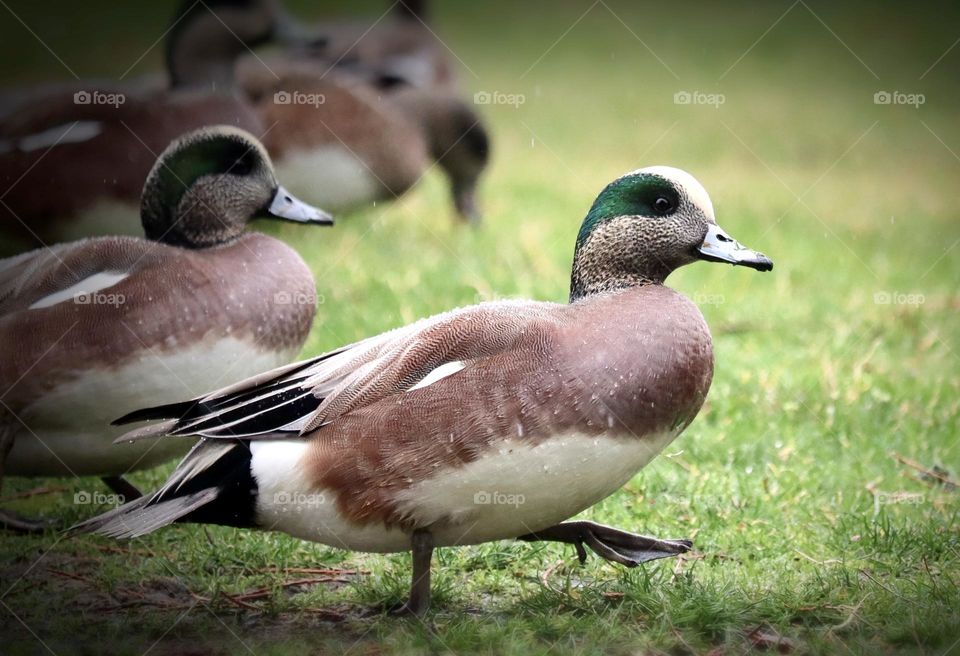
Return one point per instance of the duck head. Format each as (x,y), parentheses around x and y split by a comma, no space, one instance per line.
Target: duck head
(205,39)
(456,137)
(208,184)
(644,225)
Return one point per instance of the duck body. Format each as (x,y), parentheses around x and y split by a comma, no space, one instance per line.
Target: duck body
(78,170)
(373,143)
(585,401)
(131,320)
(75,157)
(499,420)
(367,150)
(94,325)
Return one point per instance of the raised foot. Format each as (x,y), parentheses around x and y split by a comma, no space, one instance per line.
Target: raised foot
(610,543)
(11,521)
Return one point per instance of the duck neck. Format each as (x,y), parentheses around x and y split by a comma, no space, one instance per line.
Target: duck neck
(612,256)
(584,286)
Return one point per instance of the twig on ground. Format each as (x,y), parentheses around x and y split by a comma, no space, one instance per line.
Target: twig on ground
(34,492)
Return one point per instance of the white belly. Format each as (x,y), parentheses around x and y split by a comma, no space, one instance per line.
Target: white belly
(518,490)
(68,430)
(330,177)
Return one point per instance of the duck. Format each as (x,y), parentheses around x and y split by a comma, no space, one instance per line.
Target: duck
(93,326)
(73,159)
(373,139)
(399,45)
(496,421)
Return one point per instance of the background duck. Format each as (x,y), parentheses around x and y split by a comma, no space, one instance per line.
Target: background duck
(373,143)
(400,45)
(398,442)
(94,326)
(74,159)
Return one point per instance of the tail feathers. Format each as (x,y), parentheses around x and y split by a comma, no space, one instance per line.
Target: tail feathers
(170,411)
(140,517)
(213,484)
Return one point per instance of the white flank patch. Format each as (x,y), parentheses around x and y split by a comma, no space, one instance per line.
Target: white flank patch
(62,134)
(520,488)
(517,488)
(444,370)
(95,283)
(70,430)
(287,502)
(329,177)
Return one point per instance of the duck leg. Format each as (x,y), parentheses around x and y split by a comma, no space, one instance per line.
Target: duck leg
(609,543)
(123,487)
(419,601)
(10,520)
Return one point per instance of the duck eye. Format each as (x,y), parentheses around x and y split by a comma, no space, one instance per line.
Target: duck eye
(662,205)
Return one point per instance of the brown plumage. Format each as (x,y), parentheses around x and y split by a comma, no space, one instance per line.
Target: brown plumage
(495,421)
(75,168)
(381,141)
(89,327)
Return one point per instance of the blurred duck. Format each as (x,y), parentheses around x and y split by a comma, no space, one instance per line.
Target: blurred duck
(73,160)
(413,439)
(93,327)
(374,139)
(400,45)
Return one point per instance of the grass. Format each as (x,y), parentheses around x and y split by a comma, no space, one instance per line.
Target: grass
(808,528)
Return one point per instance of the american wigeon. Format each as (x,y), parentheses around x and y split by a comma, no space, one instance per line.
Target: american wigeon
(372,143)
(399,44)
(73,161)
(91,327)
(495,421)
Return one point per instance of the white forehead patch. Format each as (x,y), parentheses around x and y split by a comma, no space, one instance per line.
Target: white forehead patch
(690,185)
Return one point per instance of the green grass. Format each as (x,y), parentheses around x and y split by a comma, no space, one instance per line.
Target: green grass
(818,385)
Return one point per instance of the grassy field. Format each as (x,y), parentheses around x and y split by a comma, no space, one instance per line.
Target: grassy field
(805,481)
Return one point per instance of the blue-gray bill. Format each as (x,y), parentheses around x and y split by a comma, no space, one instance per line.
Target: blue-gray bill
(718,246)
(290,208)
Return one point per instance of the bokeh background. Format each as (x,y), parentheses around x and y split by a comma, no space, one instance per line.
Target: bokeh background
(817,479)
